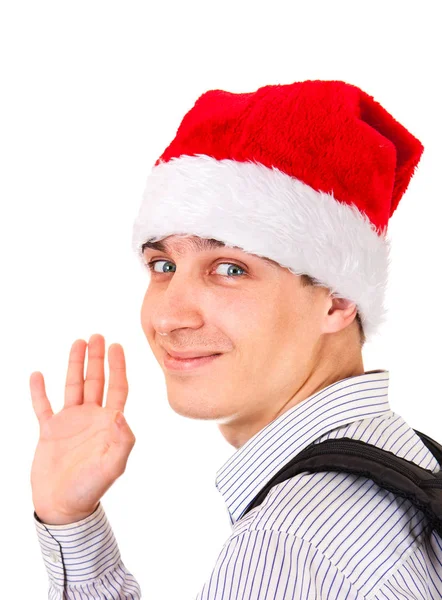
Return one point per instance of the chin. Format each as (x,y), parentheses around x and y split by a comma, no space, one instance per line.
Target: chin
(194,405)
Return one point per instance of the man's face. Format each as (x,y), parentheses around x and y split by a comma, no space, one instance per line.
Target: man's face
(256,313)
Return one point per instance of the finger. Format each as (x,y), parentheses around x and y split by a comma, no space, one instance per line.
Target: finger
(94,382)
(73,391)
(40,402)
(118,388)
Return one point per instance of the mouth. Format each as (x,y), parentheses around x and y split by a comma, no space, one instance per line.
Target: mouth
(186,364)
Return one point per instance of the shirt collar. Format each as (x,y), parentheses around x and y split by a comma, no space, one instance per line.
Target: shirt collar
(248,470)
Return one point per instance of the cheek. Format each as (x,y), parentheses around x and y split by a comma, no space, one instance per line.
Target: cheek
(289,325)
(251,323)
(146,311)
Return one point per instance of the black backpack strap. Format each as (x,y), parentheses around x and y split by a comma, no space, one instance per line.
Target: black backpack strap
(434,447)
(391,472)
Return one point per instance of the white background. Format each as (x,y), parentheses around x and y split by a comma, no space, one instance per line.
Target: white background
(91,94)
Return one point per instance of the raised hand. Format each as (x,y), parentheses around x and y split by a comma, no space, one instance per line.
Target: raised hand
(81,451)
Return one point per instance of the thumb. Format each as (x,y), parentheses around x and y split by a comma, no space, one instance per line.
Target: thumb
(123,428)
(119,420)
(115,459)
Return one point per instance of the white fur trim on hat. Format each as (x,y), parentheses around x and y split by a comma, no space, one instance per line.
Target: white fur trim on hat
(268,213)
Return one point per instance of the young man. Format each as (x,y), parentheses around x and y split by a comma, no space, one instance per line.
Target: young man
(263,226)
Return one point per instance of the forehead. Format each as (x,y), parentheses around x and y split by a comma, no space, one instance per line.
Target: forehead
(181,245)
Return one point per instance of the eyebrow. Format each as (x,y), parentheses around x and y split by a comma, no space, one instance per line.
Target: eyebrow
(199,245)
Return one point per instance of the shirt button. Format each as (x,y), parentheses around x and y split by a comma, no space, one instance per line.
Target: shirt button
(54,557)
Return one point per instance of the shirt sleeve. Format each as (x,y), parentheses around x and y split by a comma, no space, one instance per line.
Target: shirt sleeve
(83,560)
(273,565)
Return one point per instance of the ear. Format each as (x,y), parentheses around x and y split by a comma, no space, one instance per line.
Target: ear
(341,314)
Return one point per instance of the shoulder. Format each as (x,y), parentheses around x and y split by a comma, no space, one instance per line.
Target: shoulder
(363,530)
(357,525)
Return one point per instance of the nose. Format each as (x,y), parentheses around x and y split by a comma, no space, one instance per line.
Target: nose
(178,304)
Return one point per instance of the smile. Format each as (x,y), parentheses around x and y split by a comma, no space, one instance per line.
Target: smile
(187,364)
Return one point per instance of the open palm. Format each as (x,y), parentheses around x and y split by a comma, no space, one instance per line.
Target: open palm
(81,451)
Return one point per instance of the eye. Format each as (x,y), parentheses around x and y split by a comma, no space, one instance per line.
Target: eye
(151,266)
(235,268)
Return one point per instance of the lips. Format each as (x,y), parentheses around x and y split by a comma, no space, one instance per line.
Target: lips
(187,364)
(192,357)
(189,354)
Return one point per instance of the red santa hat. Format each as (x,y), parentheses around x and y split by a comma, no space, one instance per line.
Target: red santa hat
(307,174)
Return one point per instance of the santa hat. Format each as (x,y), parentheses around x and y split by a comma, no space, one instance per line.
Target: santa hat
(307,174)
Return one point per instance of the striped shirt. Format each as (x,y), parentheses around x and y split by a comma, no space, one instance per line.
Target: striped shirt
(316,536)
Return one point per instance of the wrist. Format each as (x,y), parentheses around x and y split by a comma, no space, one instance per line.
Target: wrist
(54,519)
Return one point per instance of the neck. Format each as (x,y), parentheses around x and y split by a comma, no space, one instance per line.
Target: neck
(324,368)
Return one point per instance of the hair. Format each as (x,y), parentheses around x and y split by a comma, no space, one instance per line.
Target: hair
(307,280)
